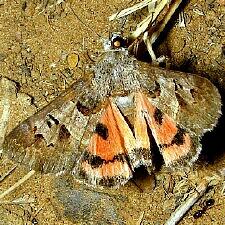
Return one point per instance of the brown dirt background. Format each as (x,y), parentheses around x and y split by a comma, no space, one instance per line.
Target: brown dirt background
(36,38)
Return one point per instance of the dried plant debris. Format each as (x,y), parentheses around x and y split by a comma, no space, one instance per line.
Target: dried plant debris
(26,199)
(44,5)
(159,13)
(192,198)
(5,175)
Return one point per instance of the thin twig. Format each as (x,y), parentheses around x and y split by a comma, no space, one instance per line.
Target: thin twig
(182,20)
(17,202)
(127,11)
(153,33)
(7,173)
(140,219)
(161,24)
(85,24)
(17,184)
(223,189)
(153,15)
(222,173)
(178,214)
(6,85)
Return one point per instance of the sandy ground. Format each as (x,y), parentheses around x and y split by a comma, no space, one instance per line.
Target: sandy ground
(36,40)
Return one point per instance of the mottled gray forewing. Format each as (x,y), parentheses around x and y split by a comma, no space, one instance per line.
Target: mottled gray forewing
(191,100)
(50,139)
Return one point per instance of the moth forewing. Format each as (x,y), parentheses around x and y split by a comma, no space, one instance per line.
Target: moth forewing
(46,141)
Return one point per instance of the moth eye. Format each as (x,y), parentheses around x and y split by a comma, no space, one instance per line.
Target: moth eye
(118,42)
(102,130)
(64,132)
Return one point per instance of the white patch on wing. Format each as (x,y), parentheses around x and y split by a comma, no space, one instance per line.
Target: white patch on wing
(125,101)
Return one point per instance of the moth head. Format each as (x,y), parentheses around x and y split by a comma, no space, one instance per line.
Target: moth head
(115,42)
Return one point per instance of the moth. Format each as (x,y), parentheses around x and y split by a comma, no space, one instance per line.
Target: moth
(102,129)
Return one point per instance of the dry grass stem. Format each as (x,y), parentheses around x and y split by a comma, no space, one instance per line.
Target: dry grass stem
(140,219)
(17,184)
(132,9)
(182,20)
(7,173)
(19,201)
(153,14)
(154,23)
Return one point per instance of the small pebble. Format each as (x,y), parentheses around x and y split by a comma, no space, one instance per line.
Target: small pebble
(72,60)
